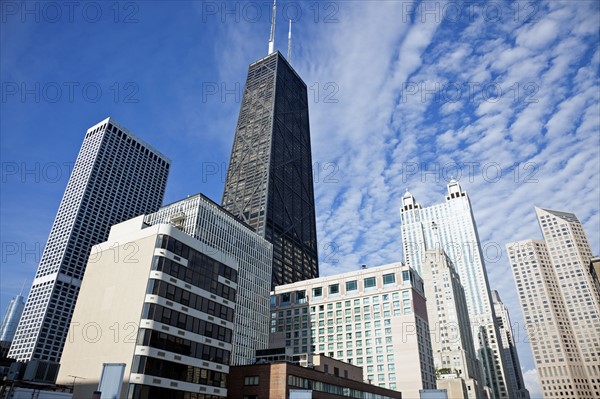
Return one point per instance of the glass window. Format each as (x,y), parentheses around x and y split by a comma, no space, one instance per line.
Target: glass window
(301,296)
(251,380)
(351,285)
(334,289)
(369,282)
(317,291)
(389,278)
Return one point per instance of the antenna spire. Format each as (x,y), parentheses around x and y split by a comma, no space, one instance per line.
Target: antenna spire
(22,288)
(272,37)
(289,57)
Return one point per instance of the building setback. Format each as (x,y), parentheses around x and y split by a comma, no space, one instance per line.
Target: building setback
(561,305)
(269,182)
(207,222)
(163,308)
(375,318)
(116,177)
(451,227)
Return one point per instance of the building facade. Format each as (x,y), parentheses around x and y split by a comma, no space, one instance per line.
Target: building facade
(9,324)
(207,222)
(561,305)
(269,182)
(163,307)
(456,364)
(280,380)
(451,227)
(509,348)
(116,176)
(375,318)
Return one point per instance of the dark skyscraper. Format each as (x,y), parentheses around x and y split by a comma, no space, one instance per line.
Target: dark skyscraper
(269,181)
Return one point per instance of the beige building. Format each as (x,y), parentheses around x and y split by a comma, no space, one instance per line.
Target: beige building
(162,304)
(561,305)
(457,368)
(375,318)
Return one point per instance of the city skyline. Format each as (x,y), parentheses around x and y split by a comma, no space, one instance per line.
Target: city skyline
(357,193)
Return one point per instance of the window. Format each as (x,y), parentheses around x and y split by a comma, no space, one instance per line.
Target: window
(405,276)
(351,285)
(251,380)
(334,289)
(389,278)
(317,291)
(369,282)
(301,296)
(285,298)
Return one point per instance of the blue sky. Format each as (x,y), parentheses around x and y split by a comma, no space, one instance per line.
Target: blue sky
(503,96)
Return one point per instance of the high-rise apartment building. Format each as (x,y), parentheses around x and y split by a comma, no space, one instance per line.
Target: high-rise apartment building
(9,323)
(162,310)
(509,349)
(561,305)
(457,368)
(207,222)
(269,182)
(375,318)
(451,227)
(116,176)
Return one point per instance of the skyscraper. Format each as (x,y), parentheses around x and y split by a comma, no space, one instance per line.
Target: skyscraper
(561,305)
(451,227)
(10,322)
(269,182)
(208,223)
(509,349)
(116,177)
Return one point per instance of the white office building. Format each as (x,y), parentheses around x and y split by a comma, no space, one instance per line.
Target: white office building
(209,223)
(375,318)
(450,226)
(561,305)
(116,176)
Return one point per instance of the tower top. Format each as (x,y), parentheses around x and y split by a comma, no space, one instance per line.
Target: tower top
(272,37)
(454,190)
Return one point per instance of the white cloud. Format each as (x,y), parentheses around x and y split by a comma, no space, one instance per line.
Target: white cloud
(532,383)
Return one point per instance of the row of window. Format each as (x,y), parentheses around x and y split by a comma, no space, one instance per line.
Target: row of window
(186,298)
(183,321)
(182,346)
(197,261)
(305,383)
(194,277)
(299,297)
(178,371)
